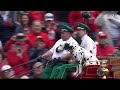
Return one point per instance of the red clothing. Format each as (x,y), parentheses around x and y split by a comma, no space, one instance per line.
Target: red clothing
(108,51)
(14,60)
(36,15)
(8,45)
(76,16)
(51,32)
(32,37)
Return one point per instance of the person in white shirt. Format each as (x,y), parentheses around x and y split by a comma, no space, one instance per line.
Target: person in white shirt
(86,42)
(58,54)
(109,21)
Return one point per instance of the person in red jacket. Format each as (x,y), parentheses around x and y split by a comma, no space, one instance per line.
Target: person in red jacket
(37,31)
(18,37)
(103,47)
(18,55)
(87,18)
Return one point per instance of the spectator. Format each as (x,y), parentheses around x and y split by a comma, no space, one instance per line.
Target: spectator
(37,31)
(18,37)
(25,24)
(109,22)
(7,72)
(38,50)
(51,28)
(7,26)
(37,70)
(87,18)
(18,14)
(103,47)
(86,42)
(18,55)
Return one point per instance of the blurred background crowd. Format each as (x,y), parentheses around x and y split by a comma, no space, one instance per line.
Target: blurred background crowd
(25,35)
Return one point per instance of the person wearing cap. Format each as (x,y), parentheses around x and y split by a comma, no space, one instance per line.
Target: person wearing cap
(7,72)
(86,41)
(49,16)
(38,50)
(18,54)
(56,54)
(50,28)
(87,18)
(103,46)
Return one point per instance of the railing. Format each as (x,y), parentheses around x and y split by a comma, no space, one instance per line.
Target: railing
(113,61)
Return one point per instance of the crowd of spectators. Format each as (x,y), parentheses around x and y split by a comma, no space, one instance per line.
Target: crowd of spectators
(25,35)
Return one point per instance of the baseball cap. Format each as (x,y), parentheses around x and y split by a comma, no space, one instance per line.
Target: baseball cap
(49,16)
(102,35)
(39,38)
(24,77)
(5,67)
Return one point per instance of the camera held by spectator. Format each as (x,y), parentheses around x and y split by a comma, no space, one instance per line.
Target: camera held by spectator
(20,36)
